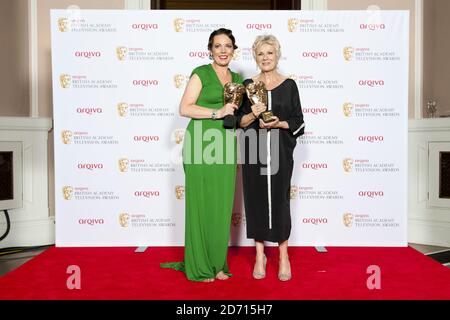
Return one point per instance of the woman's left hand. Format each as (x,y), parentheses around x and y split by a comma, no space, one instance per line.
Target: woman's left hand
(269,125)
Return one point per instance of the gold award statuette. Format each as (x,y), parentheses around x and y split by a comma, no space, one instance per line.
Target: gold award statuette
(257,93)
(233,93)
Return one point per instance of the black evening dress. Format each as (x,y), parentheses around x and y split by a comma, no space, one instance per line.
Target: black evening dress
(267,163)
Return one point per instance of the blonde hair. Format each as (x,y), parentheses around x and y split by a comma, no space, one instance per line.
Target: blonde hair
(267,39)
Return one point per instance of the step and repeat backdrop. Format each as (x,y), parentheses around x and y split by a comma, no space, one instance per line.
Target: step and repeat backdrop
(118,77)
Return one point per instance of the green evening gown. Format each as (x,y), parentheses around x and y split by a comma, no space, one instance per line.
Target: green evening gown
(209,160)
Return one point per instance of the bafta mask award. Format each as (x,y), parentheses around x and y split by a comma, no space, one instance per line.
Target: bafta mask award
(257,93)
(232,93)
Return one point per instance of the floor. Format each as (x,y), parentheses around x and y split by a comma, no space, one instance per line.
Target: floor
(118,273)
(9,262)
(427,249)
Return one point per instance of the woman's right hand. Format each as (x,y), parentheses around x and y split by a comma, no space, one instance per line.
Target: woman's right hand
(258,108)
(226,110)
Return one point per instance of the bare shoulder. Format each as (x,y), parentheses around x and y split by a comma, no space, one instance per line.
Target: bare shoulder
(193,87)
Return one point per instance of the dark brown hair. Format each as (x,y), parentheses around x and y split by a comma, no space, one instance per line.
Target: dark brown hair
(220,31)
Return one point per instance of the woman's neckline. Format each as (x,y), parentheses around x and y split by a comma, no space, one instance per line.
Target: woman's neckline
(217,76)
(277,86)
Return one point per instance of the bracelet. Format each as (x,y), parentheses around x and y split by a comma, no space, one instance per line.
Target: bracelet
(214,115)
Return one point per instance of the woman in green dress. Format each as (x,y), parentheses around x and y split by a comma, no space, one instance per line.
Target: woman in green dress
(209,160)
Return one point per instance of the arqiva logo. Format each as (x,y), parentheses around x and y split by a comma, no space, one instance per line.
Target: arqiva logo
(90,166)
(145,26)
(89,110)
(372,26)
(314,55)
(91,221)
(314,166)
(146,138)
(259,26)
(371,139)
(371,194)
(199,54)
(147,194)
(371,83)
(315,110)
(315,221)
(145,83)
(88,54)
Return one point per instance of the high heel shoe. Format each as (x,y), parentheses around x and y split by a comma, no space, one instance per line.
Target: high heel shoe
(285,276)
(261,275)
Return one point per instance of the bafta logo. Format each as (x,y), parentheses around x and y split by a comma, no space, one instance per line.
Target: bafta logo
(236,54)
(123,164)
(347,108)
(66,136)
(179,192)
(292,24)
(294,192)
(121,53)
(178,136)
(64,80)
(123,220)
(236,219)
(347,163)
(293,77)
(348,53)
(63,24)
(347,218)
(67,192)
(178,81)
(122,109)
(178,24)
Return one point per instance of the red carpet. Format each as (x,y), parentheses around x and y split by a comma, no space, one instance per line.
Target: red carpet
(119,273)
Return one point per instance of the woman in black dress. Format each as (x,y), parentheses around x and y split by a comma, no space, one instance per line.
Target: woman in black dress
(267,180)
